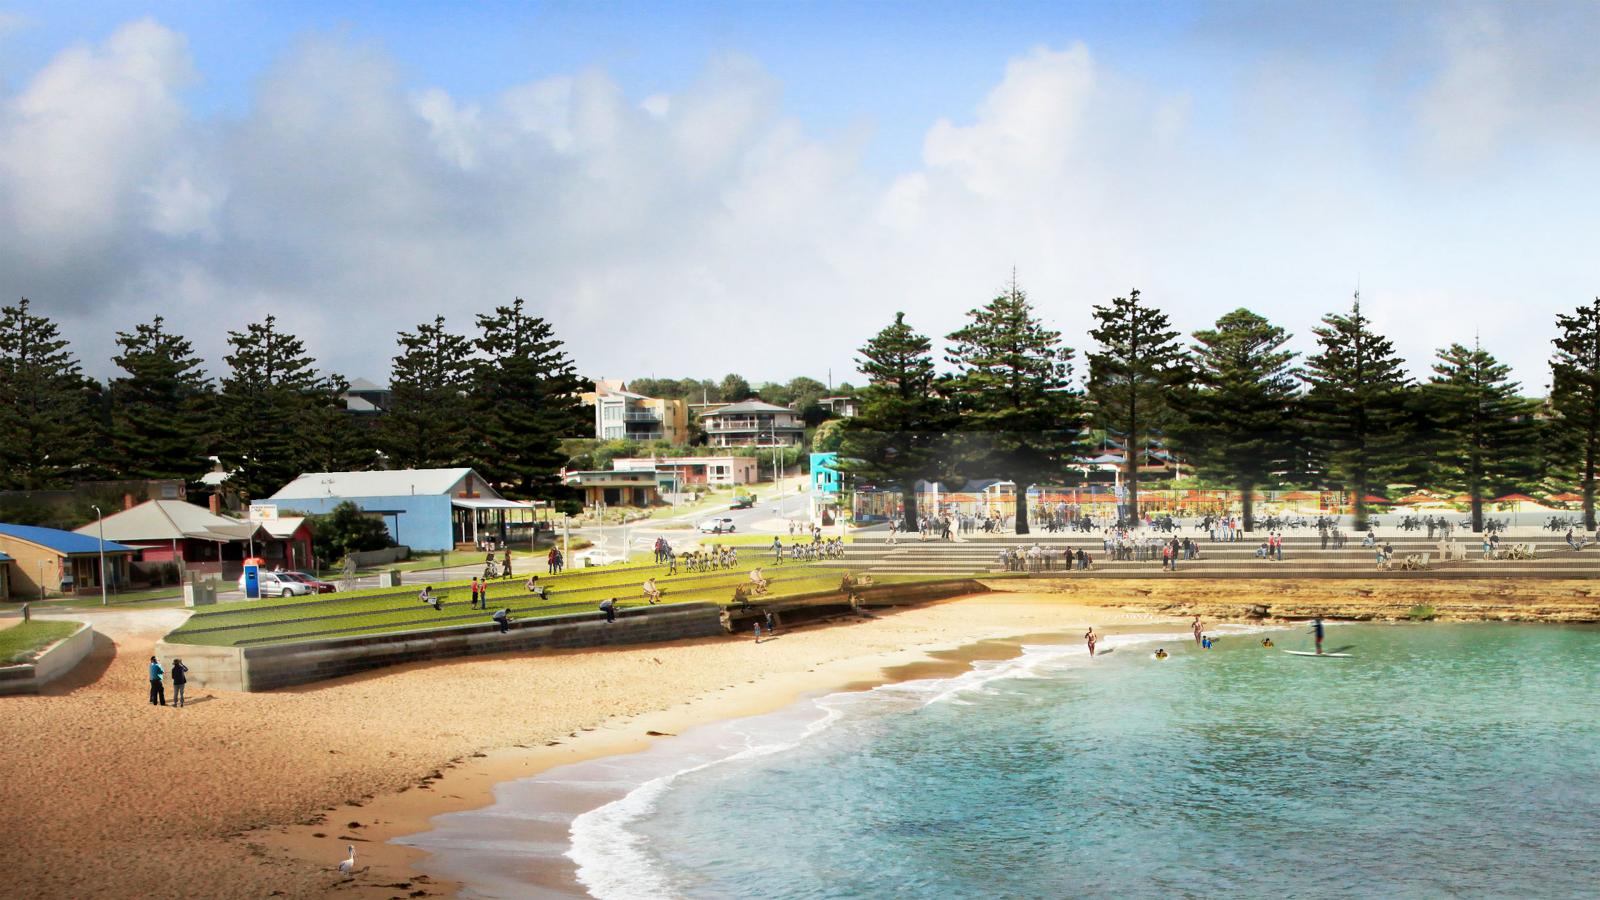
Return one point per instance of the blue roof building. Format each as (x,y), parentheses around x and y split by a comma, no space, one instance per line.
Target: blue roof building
(44,560)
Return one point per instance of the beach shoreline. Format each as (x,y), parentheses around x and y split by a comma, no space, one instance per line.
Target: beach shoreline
(110,797)
(469,784)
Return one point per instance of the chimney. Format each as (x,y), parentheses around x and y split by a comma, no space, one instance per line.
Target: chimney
(215,503)
(127,501)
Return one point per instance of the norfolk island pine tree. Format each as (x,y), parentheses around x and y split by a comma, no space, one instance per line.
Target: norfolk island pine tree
(897,434)
(1017,413)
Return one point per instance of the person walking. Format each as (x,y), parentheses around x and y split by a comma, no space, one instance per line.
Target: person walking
(506,574)
(180,677)
(158,691)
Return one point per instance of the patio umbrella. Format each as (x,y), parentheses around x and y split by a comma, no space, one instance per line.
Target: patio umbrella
(1373,498)
(1301,495)
(1515,498)
(1415,498)
(1568,497)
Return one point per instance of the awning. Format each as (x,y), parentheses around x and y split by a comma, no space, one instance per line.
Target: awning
(486,503)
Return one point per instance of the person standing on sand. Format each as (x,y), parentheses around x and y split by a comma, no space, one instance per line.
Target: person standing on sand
(1316,629)
(158,692)
(179,679)
(1089,638)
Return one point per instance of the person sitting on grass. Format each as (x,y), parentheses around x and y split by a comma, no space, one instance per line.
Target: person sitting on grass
(651,592)
(534,588)
(426,596)
(759,580)
(503,617)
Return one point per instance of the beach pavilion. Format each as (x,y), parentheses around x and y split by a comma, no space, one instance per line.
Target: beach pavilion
(424,509)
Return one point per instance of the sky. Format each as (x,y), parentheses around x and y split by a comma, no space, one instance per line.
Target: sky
(693,189)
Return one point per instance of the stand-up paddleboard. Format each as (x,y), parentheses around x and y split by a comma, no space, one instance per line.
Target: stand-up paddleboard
(1314,653)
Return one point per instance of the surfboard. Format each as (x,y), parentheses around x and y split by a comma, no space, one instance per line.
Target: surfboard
(1319,655)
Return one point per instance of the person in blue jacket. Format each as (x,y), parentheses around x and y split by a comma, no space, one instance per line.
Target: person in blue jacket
(158,691)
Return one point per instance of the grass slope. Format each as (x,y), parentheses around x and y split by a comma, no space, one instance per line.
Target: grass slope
(381,610)
(21,642)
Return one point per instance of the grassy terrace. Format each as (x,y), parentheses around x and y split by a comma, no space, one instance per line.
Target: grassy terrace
(20,642)
(382,610)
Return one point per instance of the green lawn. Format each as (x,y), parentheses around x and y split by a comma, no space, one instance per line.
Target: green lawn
(579,591)
(20,642)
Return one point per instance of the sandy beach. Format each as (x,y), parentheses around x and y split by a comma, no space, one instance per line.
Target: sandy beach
(107,796)
(254,795)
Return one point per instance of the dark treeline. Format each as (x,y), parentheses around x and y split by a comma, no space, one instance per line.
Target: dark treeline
(1231,401)
(499,399)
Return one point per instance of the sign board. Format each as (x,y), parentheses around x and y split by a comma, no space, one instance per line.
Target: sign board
(261,512)
(252,582)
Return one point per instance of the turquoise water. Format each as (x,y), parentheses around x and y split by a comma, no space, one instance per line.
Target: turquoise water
(1442,760)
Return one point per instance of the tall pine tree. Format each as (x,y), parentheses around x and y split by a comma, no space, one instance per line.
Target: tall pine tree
(1139,363)
(1016,410)
(158,408)
(1236,421)
(525,401)
(46,413)
(897,435)
(1482,431)
(274,409)
(1355,409)
(425,426)
(1575,396)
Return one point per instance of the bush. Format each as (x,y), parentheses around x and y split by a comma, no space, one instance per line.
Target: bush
(1421,613)
(349,530)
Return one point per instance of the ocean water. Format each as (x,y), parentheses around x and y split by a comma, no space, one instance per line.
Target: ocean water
(1441,760)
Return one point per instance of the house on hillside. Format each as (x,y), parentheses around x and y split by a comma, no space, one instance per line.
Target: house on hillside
(62,562)
(683,472)
(197,540)
(752,423)
(363,398)
(620,414)
(425,509)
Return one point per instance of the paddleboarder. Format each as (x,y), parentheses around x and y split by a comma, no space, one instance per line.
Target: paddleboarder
(1316,629)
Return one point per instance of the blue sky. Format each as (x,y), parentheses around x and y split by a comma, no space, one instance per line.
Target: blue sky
(713,168)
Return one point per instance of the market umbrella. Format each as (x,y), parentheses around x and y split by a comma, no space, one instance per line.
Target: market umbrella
(1301,495)
(1568,497)
(1415,498)
(1373,498)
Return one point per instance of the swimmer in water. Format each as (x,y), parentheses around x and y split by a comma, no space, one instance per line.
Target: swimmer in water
(1205,642)
(1160,653)
(1090,639)
(1266,642)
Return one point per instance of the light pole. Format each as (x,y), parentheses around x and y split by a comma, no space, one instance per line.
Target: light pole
(102,521)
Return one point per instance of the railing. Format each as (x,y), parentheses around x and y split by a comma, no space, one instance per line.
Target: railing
(713,424)
(641,417)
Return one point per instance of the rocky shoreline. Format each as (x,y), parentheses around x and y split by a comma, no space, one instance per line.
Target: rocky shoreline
(1479,600)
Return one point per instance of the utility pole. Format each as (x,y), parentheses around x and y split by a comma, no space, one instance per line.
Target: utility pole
(102,520)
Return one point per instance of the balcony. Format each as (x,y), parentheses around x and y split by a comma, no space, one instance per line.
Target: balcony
(645,416)
(758,424)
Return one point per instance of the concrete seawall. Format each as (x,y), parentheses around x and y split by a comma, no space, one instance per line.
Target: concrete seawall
(53,663)
(265,668)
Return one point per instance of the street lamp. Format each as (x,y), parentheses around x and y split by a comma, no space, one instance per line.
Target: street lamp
(102,521)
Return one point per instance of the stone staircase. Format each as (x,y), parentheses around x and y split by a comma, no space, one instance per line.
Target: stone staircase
(1303,557)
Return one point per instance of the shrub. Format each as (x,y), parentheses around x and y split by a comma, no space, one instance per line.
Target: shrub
(1422,613)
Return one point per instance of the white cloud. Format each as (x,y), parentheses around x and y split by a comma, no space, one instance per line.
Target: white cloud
(707,230)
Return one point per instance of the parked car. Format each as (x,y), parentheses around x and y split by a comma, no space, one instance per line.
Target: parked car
(279,584)
(717,525)
(743,503)
(317,584)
